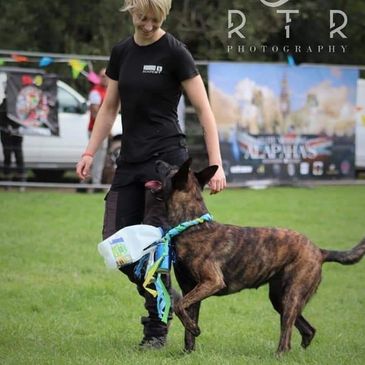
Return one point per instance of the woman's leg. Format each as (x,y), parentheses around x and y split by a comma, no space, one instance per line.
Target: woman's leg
(125,207)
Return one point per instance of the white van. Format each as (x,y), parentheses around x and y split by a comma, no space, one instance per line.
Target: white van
(49,157)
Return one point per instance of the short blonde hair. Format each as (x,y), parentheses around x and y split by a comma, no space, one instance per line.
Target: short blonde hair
(160,8)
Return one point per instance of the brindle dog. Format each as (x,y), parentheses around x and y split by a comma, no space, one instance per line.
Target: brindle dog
(219,259)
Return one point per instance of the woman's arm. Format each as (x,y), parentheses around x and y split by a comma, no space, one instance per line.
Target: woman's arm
(102,127)
(197,95)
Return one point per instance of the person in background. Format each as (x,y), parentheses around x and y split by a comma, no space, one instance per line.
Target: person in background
(147,73)
(96,97)
(12,143)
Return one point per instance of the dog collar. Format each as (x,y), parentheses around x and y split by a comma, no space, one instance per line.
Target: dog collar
(184,226)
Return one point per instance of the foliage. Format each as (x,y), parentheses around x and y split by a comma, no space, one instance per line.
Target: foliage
(67,26)
(93,26)
(59,305)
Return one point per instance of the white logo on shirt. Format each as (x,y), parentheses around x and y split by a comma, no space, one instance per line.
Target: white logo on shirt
(152,69)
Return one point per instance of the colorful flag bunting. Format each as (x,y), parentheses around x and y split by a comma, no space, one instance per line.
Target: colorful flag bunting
(93,77)
(19,58)
(45,61)
(76,67)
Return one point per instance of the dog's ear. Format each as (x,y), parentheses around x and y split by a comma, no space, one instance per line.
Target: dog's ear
(180,179)
(205,175)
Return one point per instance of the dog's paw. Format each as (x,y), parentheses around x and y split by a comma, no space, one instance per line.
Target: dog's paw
(189,350)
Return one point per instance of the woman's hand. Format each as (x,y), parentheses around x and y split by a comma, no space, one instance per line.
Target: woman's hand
(218,182)
(83,167)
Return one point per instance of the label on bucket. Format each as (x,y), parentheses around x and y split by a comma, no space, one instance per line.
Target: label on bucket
(120,251)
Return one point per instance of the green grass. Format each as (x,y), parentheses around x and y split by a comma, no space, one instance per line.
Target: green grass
(59,305)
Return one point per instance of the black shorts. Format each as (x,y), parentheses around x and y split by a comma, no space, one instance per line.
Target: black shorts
(125,202)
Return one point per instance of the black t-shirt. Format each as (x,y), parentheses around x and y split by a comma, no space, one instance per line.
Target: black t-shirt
(149,80)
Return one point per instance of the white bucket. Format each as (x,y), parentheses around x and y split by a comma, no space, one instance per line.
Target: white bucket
(128,244)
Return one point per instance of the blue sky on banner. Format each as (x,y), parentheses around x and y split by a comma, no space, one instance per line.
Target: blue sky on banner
(225,76)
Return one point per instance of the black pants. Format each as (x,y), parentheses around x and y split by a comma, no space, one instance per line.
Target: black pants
(12,144)
(125,206)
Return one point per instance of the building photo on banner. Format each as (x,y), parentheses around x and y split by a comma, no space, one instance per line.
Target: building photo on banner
(279,121)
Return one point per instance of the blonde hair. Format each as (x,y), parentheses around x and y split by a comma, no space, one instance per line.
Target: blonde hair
(160,8)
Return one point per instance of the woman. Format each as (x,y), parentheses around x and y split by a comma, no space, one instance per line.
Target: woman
(147,72)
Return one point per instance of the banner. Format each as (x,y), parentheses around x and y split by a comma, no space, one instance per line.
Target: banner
(31,101)
(283,122)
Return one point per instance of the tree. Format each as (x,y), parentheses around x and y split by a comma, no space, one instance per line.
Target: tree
(93,26)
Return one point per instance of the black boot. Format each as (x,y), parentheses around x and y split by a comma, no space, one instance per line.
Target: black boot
(154,334)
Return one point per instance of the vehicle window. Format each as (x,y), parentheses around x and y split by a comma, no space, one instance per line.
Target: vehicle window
(67,103)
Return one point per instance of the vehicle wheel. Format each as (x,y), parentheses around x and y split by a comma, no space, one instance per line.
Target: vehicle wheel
(111,161)
(48,175)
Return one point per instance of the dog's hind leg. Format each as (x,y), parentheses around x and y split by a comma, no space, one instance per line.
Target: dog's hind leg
(300,284)
(290,308)
(288,303)
(276,298)
(306,330)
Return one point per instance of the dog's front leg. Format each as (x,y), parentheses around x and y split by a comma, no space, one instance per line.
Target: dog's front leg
(193,312)
(211,281)
(187,283)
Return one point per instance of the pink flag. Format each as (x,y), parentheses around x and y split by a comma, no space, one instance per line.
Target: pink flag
(93,77)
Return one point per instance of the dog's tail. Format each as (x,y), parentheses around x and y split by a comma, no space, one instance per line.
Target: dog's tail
(348,257)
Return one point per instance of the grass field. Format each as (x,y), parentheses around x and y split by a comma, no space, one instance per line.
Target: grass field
(59,305)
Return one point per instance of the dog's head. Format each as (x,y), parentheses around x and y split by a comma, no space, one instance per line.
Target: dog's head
(175,179)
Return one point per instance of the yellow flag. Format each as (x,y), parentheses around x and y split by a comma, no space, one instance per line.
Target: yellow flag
(76,67)
(149,277)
